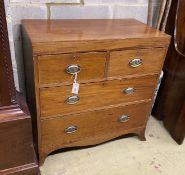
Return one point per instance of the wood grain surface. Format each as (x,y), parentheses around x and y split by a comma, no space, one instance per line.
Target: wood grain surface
(152,62)
(51,68)
(16,148)
(103,49)
(17,154)
(85,29)
(94,95)
(91,126)
(62,36)
(7,86)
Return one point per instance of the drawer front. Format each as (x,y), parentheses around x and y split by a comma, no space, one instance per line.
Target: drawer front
(74,130)
(58,68)
(136,62)
(53,101)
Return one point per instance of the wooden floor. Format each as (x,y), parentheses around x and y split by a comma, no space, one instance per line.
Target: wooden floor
(127,156)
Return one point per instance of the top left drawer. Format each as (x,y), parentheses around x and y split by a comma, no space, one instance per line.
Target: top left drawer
(53,69)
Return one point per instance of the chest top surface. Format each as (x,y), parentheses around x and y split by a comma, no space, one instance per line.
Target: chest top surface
(98,29)
(43,32)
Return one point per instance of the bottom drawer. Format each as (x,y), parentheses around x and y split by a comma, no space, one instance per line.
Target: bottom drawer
(93,127)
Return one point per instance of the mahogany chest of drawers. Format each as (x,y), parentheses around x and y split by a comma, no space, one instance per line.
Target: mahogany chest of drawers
(116,64)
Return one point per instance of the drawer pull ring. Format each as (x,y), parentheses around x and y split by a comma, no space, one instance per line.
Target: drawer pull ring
(72,100)
(136,62)
(123,118)
(70,129)
(129,90)
(73,69)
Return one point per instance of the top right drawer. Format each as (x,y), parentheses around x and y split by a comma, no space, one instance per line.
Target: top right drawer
(136,62)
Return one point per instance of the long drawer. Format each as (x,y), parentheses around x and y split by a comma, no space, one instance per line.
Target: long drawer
(136,62)
(59,68)
(81,129)
(58,101)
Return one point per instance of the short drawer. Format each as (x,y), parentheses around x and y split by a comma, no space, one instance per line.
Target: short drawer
(59,68)
(136,62)
(93,127)
(57,100)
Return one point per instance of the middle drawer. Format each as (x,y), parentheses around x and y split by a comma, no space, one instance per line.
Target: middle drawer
(55,100)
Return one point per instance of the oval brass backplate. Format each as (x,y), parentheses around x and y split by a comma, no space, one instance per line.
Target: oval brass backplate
(129,90)
(136,62)
(70,129)
(73,69)
(72,100)
(123,118)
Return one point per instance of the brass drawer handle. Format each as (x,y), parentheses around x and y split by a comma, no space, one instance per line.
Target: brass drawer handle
(72,100)
(73,68)
(70,129)
(129,90)
(136,62)
(123,118)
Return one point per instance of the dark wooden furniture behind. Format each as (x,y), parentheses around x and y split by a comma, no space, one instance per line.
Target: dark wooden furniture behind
(7,89)
(17,156)
(170,102)
(118,61)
